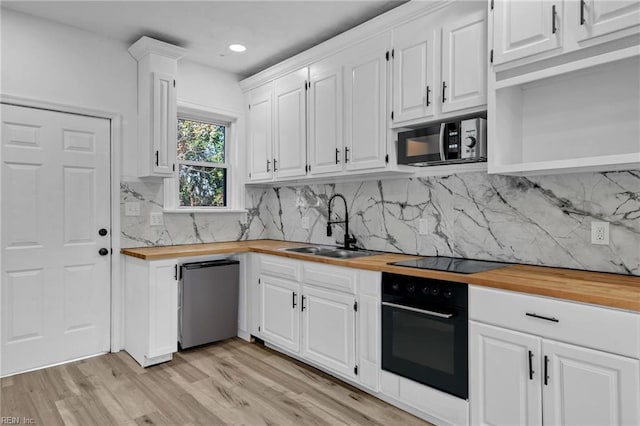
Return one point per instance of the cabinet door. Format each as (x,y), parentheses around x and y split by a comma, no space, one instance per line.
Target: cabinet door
(599,17)
(414,69)
(366,104)
(280,315)
(163,308)
(524,28)
(259,133)
(588,387)
(464,62)
(501,389)
(325,117)
(328,320)
(164,124)
(290,121)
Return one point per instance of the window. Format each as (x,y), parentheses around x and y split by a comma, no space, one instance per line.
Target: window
(202,164)
(208,176)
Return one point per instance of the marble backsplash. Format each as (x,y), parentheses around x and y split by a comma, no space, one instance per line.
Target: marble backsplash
(542,220)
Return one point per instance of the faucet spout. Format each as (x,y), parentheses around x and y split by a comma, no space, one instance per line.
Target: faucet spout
(347,238)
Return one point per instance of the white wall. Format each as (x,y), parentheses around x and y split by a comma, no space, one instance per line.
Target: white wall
(57,63)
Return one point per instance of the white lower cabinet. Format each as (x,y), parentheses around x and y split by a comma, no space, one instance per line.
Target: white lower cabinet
(151,309)
(280,320)
(326,315)
(328,319)
(520,378)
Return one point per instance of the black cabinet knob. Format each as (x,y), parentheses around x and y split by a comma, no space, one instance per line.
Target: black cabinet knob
(103,252)
(102,232)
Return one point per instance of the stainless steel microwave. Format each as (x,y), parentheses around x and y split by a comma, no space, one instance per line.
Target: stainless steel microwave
(458,141)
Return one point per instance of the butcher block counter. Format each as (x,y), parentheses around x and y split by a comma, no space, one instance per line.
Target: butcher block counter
(612,290)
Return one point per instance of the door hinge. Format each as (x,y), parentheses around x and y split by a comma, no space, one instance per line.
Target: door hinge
(386,159)
(258,328)
(492,4)
(355,306)
(386,55)
(355,370)
(491,56)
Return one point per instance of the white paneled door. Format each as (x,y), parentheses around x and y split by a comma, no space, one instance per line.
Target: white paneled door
(55,208)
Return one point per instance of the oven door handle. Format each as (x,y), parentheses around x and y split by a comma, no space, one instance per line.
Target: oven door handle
(420,311)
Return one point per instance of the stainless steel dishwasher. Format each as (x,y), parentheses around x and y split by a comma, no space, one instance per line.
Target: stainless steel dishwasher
(208,307)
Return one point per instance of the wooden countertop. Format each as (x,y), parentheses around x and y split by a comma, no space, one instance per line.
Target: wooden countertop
(612,290)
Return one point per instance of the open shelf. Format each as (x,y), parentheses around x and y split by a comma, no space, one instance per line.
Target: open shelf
(583,119)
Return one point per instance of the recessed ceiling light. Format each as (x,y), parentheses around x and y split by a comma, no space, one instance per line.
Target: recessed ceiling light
(237,48)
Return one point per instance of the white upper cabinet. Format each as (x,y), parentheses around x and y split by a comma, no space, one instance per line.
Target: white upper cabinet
(600,17)
(523,28)
(414,70)
(157,106)
(464,62)
(531,30)
(260,134)
(290,125)
(366,104)
(325,117)
(440,64)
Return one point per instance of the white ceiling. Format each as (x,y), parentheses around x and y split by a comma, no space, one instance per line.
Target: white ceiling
(271,30)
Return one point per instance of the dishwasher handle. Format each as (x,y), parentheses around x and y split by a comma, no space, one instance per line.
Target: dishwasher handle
(209,264)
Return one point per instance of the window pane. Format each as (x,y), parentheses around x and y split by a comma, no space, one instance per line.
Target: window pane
(202,186)
(200,141)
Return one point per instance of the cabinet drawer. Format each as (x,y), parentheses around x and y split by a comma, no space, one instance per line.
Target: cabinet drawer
(586,325)
(331,277)
(280,267)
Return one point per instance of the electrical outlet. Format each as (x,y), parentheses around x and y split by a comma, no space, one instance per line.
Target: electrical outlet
(600,233)
(155,219)
(305,222)
(422,226)
(131,209)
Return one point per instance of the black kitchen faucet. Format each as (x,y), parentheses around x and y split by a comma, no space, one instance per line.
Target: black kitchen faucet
(347,239)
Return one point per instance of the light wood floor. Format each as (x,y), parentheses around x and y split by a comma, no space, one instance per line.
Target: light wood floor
(232,382)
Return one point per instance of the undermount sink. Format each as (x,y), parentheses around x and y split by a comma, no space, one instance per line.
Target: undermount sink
(336,253)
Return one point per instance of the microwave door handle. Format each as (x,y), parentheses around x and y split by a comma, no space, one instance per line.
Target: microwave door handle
(442,141)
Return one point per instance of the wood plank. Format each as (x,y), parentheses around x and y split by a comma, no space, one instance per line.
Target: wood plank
(230,382)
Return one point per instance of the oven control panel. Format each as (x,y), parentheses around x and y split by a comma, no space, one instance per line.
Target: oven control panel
(418,291)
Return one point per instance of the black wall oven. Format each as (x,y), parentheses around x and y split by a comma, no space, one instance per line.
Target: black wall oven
(424,331)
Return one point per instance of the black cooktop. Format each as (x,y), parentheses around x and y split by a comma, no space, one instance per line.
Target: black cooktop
(451,264)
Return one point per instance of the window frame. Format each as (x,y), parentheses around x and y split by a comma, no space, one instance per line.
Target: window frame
(234,200)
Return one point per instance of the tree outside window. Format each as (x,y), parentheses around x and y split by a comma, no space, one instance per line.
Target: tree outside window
(202,167)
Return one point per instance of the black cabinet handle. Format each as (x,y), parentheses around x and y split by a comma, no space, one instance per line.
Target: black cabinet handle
(303,299)
(554,14)
(531,365)
(275,165)
(582,5)
(293,300)
(546,370)
(102,232)
(337,156)
(428,93)
(444,92)
(346,154)
(175,272)
(534,315)
(268,164)
(103,251)
(157,158)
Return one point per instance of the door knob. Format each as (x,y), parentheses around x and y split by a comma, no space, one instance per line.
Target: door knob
(102,232)
(103,252)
